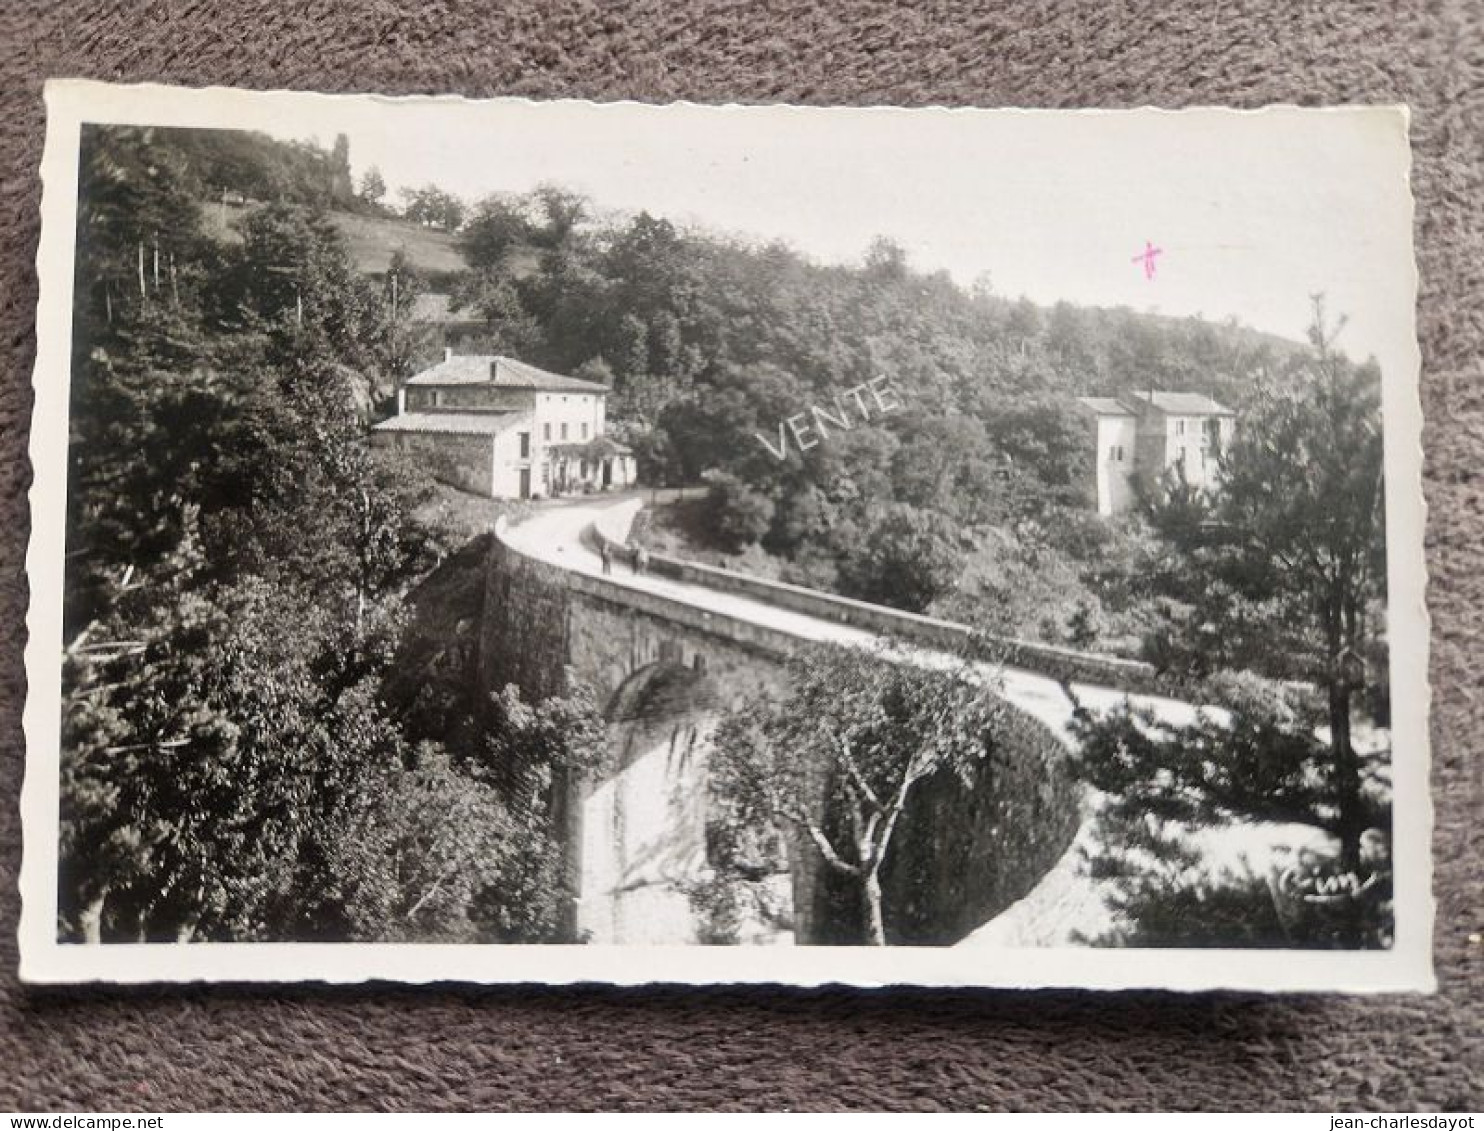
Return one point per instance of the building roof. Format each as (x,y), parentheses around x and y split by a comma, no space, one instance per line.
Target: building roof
(1106,406)
(437,310)
(501,373)
(453,423)
(1182,404)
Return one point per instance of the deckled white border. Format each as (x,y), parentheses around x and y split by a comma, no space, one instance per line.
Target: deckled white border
(1406,967)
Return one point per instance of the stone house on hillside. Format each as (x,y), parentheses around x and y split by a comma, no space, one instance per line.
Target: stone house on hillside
(1142,435)
(500,427)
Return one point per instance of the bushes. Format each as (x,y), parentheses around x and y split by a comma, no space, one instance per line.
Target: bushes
(1164,896)
(739,516)
(1232,910)
(906,559)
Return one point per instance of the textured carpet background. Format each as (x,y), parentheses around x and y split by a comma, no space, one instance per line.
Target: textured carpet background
(594,1048)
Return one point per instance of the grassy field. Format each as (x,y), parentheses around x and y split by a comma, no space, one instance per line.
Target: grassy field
(371,240)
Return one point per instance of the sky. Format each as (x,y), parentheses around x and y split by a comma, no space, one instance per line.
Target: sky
(1251,212)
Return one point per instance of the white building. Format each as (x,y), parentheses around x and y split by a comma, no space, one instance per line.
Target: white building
(500,427)
(1146,434)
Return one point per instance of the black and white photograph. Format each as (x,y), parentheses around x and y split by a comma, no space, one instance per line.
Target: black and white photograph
(545,542)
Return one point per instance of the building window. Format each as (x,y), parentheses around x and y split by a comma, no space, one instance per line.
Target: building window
(546,432)
(1179,427)
(525,445)
(1116,451)
(584,431)
(564,427)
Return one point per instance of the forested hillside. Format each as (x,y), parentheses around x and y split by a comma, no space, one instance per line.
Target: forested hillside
(970,498)
(238,559)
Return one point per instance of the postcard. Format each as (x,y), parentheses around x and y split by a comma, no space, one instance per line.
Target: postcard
(504,541)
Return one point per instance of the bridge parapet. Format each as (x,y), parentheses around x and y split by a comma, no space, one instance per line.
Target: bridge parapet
(734,630)
(932,632)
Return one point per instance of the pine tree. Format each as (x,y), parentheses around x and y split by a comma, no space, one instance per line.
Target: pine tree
(1283,572)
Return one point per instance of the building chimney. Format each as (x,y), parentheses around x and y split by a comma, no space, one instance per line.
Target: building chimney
(448,353)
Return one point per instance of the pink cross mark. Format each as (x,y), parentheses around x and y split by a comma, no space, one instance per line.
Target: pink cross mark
(1147,258)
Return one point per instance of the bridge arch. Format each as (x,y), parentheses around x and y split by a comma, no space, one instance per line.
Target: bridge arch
(640,823)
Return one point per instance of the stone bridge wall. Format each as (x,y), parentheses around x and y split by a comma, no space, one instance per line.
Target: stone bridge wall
(541,619)
(949,636)
(543,626)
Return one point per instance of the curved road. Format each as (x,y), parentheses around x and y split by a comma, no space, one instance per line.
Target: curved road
(1066,900)
(554,534)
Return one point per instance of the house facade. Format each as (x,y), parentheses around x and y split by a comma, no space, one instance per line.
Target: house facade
(1145,434)
(499,427)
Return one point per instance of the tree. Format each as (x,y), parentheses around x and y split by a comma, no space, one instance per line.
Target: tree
(886,260)
(402,339)
(1255,754)
(509,327)
(497,225)
(229,770)
(342,188)
(411,862)
(905,558)
(200,754)
(561,211)
(856,732)
(528,744)
(1284,568)
(138,223)
(1046,444)
(292,279)
(433,208)
(531,754)
(373,187)
(739,515)
(946,464)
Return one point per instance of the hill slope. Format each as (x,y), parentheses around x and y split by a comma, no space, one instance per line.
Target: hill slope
(371,241)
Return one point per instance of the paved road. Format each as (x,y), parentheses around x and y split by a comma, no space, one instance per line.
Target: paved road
(554,534)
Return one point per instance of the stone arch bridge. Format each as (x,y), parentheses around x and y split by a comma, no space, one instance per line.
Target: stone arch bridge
(668,651)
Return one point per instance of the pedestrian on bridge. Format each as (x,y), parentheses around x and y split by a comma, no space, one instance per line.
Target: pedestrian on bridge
(605,551)
(641,559)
